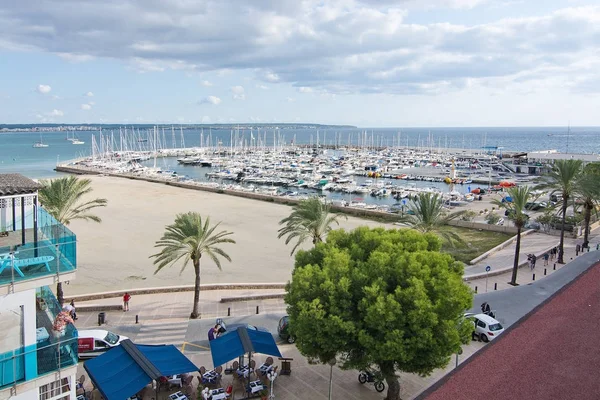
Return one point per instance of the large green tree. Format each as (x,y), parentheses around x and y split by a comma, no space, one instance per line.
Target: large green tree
(383,298)
(65,199)
(562,180)
(188,239)
(516,208)
(426,213)
(309,219)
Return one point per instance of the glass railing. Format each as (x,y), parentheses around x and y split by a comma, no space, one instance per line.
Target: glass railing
(54,252)
(52,352)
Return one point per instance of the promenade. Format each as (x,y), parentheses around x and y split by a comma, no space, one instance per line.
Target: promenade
(163,318)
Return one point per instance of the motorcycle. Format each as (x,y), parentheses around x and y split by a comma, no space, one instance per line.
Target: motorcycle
(368,376)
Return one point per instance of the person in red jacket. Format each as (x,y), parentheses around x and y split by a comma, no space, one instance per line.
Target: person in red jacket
(126,298)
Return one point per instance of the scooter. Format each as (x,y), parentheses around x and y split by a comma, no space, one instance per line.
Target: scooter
(368,376)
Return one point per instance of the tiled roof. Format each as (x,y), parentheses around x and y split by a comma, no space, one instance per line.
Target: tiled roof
(12,184)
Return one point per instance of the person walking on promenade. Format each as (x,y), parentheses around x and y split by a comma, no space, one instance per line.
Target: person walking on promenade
(126,298)
(546,257)
(577,249)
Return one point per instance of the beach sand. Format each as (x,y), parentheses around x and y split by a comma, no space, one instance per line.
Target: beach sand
(113,255)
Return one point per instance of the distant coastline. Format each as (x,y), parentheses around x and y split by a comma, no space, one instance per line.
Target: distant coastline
(96,127)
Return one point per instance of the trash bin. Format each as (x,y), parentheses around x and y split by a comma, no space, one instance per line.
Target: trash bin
(101,318)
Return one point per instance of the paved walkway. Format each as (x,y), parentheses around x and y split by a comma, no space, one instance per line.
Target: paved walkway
(163,318)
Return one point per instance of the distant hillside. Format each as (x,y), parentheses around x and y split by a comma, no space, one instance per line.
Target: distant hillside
(89,127)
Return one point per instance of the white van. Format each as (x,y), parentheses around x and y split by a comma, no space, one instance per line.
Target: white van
(93,342)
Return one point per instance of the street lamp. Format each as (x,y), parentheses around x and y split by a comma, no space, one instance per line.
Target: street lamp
(272,375)
(331,363)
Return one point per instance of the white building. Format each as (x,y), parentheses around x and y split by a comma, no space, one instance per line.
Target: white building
(36,362)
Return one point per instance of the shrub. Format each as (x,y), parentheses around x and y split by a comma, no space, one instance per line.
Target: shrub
(492,218)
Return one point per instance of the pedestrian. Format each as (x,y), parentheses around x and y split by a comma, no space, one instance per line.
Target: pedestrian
(546,257)
(73,311)
(533,259)
(577,249)
(214,332)
(598,247)
(126,298)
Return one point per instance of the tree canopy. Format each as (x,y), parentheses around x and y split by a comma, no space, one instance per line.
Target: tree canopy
(379,297)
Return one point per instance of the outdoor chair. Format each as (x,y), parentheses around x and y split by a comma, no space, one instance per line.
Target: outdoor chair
(17,264)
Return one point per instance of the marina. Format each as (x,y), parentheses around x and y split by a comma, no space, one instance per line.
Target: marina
(362,176)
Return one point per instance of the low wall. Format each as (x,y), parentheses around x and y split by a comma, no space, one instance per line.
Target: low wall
(500,247)
(482,226)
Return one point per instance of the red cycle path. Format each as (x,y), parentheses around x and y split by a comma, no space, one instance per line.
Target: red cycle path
(553,354)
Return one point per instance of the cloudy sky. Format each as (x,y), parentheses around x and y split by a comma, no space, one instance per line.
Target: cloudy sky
(370,63)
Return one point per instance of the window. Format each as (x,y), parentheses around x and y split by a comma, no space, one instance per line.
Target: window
(481,324)
(58,390)
(99,344)
(495,327)
(112,338)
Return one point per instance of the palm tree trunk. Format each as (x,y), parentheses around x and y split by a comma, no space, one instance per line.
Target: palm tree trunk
(513,279)
(586,225)
(561,246)
(195,313)
(393,393)
(60,295)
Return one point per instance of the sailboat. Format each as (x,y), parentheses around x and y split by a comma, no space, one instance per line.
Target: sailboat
(41,143)
(73,139)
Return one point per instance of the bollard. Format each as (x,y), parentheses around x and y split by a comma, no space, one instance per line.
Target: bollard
(137,319)
(554,267)
(534,277)
(475,289)
(229,311)
(257,309)
(544,271)
(496,286)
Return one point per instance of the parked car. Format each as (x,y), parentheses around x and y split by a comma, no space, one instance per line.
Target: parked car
(486,327)
(283,330)
(93,342)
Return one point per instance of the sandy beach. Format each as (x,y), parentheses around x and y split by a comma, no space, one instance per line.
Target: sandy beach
(114,254)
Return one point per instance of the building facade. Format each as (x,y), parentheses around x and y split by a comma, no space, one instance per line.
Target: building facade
(37,362)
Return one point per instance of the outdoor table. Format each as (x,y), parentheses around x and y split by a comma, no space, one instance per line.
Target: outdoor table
(218,394)
(243,371)
(210,376)
(41,335)
(265,368)
(255,386)
(178,396)
(175,380)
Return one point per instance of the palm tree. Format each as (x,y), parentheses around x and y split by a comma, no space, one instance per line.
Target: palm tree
(562,179)
(310,218)
(426,213)
(189,238)
(63,198)
(516,213)
(588,191)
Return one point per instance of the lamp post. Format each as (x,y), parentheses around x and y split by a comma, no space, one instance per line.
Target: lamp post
(272,375)
(331,363)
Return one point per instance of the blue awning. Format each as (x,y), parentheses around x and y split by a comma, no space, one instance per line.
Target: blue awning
(126,369)
(240,342)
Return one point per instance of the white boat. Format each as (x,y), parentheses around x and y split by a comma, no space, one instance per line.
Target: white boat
(77,141)
(40,144)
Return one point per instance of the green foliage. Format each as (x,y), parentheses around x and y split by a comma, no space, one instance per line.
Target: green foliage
(63,199)
(188,239)
(517,208)
(376,296)
(468,216)
(492,218)
(426,213)
(310,219)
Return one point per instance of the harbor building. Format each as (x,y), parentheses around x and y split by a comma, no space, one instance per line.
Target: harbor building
(38,356)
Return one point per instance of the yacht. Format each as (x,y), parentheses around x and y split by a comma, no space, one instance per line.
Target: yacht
(40,144)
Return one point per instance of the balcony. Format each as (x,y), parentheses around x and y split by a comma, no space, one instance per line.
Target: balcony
(50,353)
(41,248)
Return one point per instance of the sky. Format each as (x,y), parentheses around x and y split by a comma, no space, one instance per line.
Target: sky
(369,63)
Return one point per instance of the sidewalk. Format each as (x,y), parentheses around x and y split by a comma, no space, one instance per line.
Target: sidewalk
(163,319)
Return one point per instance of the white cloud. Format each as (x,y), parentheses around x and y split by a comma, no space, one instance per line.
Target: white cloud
(89,94)
(238,93)
(86,107)
(214,100)
(55,113)
(206,83)
(290,99)
(76,58)
(44,89)
(305,89)
(341,47)
(262,87)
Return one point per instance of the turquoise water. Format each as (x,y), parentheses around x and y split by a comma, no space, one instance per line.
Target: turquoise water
(18,155)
